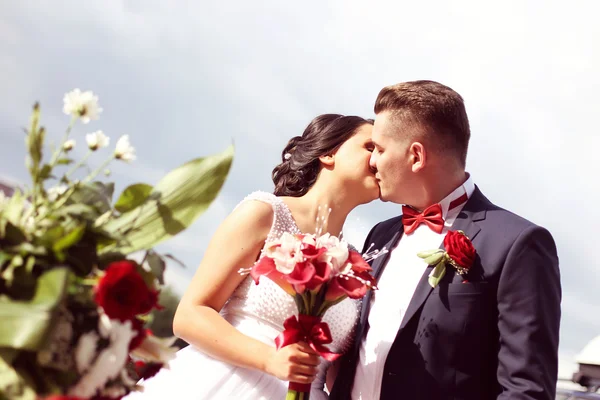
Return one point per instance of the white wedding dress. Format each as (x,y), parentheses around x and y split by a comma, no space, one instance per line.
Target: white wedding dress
(257,311)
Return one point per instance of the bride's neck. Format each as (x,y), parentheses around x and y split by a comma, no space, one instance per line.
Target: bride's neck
(316,203)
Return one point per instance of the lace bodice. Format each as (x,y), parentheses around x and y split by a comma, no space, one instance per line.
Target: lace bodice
(270,304)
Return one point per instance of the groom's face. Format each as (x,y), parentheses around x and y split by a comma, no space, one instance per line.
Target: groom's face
(390,159)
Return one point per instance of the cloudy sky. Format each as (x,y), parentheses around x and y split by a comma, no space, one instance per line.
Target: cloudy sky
(187,78)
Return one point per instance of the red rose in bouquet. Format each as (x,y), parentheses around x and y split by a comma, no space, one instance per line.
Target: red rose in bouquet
(355,288)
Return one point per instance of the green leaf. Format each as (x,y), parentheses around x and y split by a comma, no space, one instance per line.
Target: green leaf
(435,258)
(51,235)
(427,253)
(94,194)
(4,257)
(83,256)
(9,272)
(13,209)
(68,240)
(174,204)
(34,139)
(64,161)
(25,324)
(132,197)
(8,355)
(12,385)
(12,234)
(78,209)
(45,172)
(27,248)
(157,266)
(29,264)
(436,274)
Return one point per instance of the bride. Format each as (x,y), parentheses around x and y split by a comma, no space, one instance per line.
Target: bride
(229,321)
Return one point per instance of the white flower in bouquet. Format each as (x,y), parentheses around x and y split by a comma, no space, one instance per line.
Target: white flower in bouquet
(69,145)
(110,361)
(337,250)
(97,140)
(83,105)
(287,254)
(86,351)
(155,349)
(56,191)
(124,150)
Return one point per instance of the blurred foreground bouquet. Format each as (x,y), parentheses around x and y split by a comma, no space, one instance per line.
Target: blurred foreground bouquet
(73,301)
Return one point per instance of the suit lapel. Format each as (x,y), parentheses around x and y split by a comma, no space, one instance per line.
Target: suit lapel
(380,263)
(464,222)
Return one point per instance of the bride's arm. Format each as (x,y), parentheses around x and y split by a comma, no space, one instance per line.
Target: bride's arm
(236,244)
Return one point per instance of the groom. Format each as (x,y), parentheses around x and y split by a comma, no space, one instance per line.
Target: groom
(491,333)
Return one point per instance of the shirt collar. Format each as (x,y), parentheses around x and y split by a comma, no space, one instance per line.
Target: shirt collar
(467,187)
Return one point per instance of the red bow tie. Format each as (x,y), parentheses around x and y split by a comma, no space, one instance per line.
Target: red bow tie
(432,217)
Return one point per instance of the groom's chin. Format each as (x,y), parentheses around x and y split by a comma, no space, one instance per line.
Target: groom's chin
(386,198)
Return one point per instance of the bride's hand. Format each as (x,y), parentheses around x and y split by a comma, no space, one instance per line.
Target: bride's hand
(294,363)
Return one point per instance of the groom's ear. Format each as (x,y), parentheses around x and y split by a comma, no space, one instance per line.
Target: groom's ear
(418,156)
(327,160)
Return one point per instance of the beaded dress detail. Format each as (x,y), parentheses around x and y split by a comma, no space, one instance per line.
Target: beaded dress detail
(257,311)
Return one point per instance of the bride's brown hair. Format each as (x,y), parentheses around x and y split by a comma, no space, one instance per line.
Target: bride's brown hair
(300,164)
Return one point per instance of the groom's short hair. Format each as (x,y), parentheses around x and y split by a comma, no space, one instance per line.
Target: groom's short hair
(434,109)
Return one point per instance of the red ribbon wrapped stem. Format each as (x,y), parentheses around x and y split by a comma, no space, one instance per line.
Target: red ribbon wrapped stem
(309,329)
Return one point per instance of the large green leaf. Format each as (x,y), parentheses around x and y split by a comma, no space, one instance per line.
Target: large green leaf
(25,324)
(174,204)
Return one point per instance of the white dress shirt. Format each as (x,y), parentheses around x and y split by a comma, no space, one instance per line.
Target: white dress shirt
(395,290)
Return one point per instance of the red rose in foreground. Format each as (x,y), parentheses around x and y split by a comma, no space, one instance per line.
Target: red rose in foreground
(460,249)
(122,292)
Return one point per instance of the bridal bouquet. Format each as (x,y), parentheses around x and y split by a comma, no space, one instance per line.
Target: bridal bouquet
(319,272)
(78,275)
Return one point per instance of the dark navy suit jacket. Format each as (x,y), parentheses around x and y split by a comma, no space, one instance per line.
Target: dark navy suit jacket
(495,337)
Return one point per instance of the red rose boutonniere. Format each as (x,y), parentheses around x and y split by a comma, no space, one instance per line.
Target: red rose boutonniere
(459,253)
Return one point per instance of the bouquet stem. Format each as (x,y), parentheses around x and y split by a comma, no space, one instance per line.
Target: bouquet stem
(296,395)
